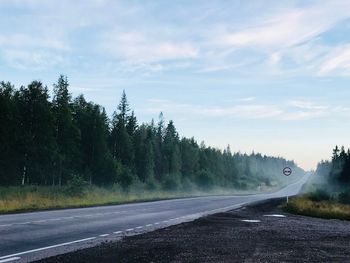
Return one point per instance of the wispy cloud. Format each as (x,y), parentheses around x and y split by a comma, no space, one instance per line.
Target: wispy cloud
(153,38)
(290,40)
(337,62)
(139,48)
(31,60)
(291,111)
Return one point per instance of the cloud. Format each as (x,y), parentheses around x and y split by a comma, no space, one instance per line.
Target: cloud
(337,62)
(304,115)
(142,48)
(307,105)
(19,40)
(247,99)
(37,60)
(289,28)
(292,111)
(291,40)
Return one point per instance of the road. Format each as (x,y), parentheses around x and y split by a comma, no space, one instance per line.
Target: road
(31,236)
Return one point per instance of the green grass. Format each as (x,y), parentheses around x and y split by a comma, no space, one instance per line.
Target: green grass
(303,205)
(33,198)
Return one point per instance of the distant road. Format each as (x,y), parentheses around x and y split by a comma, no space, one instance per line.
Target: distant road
(30,236)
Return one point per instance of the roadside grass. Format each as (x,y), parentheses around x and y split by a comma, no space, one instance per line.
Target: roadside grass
(15,199)
(328,209)
(33,198)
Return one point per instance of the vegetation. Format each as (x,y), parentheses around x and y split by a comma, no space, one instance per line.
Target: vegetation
(325,209)
(30,197)
(328,193)
(71,144)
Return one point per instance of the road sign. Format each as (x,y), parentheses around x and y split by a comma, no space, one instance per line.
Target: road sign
(287,171)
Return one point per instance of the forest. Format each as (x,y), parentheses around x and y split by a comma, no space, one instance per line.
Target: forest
(49,142)
(336,171)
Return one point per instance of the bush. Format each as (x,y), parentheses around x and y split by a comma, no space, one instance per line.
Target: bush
(344,197)
(76,186)
(152,184)
(126,179)
(171,182)
(205,179)
(320,195)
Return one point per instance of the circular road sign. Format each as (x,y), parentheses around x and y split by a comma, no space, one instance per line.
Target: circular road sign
(287,171)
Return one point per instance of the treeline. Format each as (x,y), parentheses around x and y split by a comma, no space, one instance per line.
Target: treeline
(49,142)
(336,171)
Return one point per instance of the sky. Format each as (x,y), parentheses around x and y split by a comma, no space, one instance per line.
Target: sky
(263,76)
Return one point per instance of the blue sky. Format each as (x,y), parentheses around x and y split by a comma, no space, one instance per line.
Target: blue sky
(269,76)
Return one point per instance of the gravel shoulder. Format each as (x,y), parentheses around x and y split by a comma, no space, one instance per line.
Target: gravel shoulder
(224,237)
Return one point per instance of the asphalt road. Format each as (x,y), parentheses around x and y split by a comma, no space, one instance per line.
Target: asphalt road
(31,236)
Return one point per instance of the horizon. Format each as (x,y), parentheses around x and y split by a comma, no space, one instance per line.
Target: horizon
(266,78)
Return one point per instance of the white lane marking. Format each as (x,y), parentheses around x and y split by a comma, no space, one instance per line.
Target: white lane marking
(118,232)
(156,223)
(165,221)
(275,215)
(148,225)
(251,220)
(130,229)
(45,248)
(139,227)
(9,259)
(104,235)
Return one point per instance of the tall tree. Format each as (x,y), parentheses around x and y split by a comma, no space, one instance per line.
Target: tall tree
(120,140)
(37,138)
(172,157)
(66,133)
(9,122)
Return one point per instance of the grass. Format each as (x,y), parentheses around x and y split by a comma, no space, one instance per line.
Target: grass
(32,198)
(15,199)
(303,205)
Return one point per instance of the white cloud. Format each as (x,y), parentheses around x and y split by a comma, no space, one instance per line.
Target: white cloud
(304,115)
(307,105)
(290,40)
(19,40)
(142,48)
(275,58)
(31,60)
(290,28)
(337,61)
(247,99)
(292,111)
(250,108)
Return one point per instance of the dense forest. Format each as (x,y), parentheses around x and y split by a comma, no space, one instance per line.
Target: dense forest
(336,171)
(47,141)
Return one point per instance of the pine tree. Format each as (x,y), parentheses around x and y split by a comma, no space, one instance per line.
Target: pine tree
(37,138)
(66,134)
(9,122)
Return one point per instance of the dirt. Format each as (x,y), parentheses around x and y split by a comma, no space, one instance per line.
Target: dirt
(224,237)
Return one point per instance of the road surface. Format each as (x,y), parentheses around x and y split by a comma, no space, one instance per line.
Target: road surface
(31,236)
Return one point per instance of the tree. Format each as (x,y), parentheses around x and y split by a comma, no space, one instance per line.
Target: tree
(144,149)
(120,140)
(172,157)
(66,133)
(36,138)
(46,142)
(9,122)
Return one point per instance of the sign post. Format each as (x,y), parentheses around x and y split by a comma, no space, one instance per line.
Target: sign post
(287,171)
